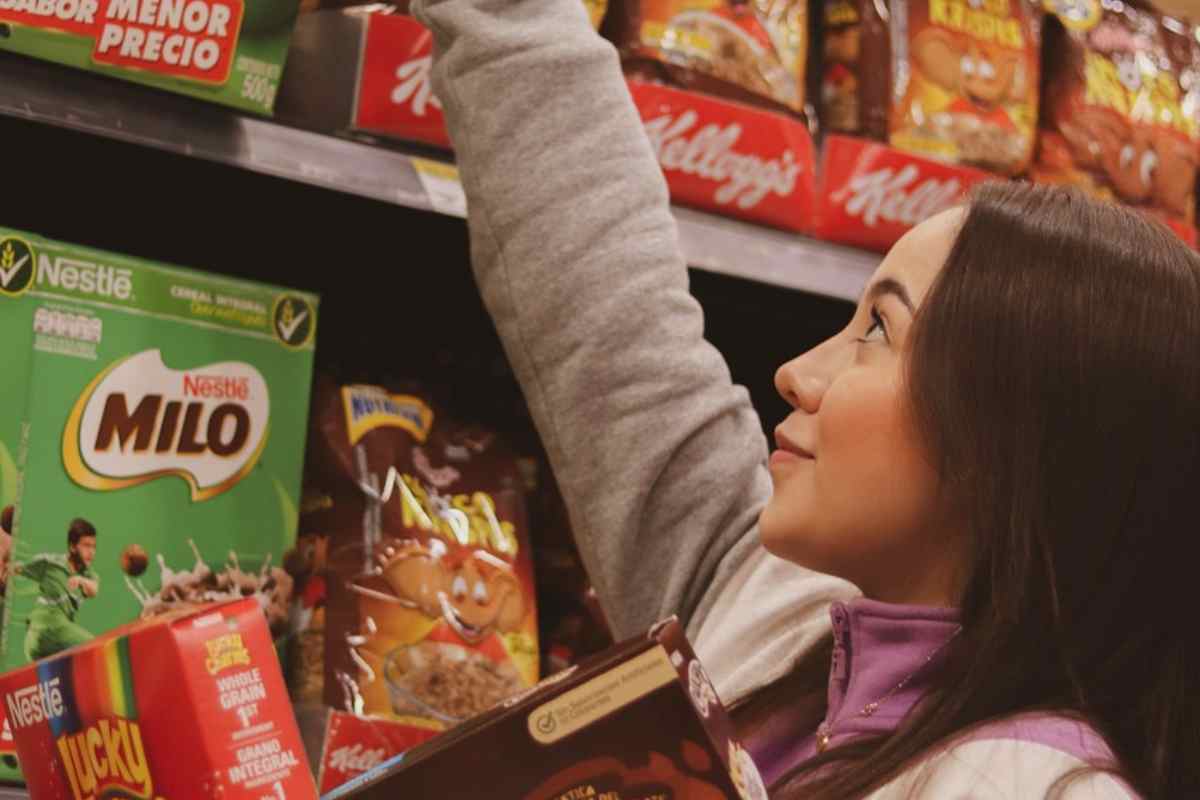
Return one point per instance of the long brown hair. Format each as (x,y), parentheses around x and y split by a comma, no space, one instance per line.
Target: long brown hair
(1054,374)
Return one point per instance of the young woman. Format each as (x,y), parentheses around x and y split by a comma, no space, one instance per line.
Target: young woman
(998,452)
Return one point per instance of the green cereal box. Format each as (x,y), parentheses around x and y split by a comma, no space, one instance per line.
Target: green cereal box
(152,428)
(230,52)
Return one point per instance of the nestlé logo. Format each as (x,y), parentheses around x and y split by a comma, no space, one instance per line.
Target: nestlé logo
(34,704)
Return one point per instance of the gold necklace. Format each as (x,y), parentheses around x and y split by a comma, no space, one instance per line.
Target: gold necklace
(825,729)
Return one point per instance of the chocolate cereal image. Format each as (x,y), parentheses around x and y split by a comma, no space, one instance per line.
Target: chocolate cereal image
(182,589)
(447,681)
(134,560)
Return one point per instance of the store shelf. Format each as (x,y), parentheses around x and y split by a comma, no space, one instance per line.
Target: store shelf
(775,257)
(49,94)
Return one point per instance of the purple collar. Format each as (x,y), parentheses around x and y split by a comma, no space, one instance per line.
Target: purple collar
(877,648)
(883,654)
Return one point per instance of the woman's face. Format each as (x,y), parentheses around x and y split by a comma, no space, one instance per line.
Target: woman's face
(855,494)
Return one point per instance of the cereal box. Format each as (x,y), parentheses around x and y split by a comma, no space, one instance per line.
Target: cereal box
(16,331)
(161,442)
(639,722)
(230,52)
(189,705)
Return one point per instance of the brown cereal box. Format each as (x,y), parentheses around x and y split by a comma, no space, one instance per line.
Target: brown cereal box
(639,722)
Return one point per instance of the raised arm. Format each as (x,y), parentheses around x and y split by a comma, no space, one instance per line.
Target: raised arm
(661,458)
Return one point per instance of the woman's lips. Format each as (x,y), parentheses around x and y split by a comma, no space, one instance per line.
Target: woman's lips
(788,449)
(781,458)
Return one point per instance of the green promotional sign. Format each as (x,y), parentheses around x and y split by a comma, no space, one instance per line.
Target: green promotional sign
(230,52)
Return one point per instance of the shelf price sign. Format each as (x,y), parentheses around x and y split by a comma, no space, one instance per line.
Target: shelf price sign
(190,39)
(229,52)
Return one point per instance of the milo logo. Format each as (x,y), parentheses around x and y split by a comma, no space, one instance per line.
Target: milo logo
(16,266)
(140,420)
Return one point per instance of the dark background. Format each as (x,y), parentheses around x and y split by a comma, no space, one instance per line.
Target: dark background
(397,294)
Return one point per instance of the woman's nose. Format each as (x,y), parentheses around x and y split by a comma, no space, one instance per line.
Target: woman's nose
(800,385)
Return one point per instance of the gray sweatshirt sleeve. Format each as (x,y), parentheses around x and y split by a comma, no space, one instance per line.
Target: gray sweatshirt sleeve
(661,458)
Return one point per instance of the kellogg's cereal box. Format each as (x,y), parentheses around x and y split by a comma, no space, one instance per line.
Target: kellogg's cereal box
(161,442)
(189,705)
(965,80)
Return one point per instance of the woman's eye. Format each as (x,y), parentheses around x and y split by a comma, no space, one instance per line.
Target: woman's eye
(876,332)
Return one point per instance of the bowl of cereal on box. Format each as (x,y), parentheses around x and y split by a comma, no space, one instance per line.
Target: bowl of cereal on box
(447,682)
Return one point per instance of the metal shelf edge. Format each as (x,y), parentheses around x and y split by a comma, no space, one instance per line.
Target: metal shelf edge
(49,94)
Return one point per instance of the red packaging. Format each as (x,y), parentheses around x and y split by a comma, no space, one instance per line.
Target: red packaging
(1120,118)
(395,95)
(192,704)
(730,158)
(342,746)
(751,51)
(874,194)
(965,81)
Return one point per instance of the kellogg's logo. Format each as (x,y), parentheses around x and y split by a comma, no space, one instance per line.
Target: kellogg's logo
(415,87)
(745,179)
(897,196)
(139,420)
(353,759)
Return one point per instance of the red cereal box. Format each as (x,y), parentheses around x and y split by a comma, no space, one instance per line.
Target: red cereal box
(189,705)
